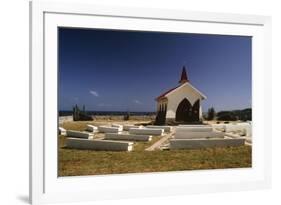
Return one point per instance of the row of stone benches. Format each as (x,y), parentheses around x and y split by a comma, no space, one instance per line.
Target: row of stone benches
(200,136)
(245,128)
(186,137)
(134,129)
(108,136)
(204,143)
(85,140)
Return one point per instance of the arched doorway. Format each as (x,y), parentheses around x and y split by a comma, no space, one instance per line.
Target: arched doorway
(195,111)
(184,111)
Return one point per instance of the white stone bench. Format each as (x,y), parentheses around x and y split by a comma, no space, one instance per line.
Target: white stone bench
(248,139)
(199,125)
(127,127)
(219,126)
(99,145)
(62,131)
(78,134)
(247,128)
(204,143)
(113,136)
(166,128)
(146,131)
(194,129)
(232,128)
(243,128)
(92,128)
(243,123)
(195,135)
(107,129)
(118,126)
(248,131)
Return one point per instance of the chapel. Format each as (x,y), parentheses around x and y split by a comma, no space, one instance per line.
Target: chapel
(181,104)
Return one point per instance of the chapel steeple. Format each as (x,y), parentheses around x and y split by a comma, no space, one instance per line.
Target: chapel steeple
(184,77)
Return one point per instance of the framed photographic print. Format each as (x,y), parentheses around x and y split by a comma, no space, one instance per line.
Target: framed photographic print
(129,102)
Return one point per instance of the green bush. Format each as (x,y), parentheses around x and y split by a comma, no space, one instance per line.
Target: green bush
(211,113)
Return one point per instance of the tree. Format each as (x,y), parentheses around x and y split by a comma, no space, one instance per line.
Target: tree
(211,113)
(126,116)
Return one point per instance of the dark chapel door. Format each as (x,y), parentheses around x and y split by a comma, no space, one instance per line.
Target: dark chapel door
(186,112)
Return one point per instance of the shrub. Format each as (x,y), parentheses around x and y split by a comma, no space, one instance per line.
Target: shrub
(211,113)
(226,115)
(127,116)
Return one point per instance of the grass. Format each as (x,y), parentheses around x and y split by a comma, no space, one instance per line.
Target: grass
(86,162)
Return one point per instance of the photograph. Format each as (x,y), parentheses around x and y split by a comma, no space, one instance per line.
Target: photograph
(134,101)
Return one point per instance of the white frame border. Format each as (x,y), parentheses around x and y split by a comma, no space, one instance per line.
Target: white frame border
(37,10)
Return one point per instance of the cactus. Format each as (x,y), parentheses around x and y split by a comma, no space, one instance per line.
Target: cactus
(79,115)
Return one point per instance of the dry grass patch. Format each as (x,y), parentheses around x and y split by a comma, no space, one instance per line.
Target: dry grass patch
(86,162)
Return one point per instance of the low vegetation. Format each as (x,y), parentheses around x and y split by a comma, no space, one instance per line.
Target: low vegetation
(233,115)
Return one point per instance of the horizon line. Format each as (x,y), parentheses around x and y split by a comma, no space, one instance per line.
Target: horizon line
(147,111)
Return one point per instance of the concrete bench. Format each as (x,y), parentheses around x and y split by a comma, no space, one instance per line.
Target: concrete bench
(204,143)
(219,127)
(248,139)
(194,129)
(248,131)
(247,128)
(146,131)
(62,131)
(200,125)
(99,145)
(237,136)
(78,134)
(107,129)
(243,123)
(113,136)
(127,127)
(166,128)
(195,135)
(243,128)
(118,126)
(232,128)
(92,128)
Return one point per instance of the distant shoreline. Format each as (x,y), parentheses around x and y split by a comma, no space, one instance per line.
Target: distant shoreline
(108,113)
(118,118)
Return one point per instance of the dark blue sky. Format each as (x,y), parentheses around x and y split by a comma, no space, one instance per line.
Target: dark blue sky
(124,70)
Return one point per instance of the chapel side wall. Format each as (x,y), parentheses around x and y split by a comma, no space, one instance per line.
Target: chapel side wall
(200,112)
(176,97)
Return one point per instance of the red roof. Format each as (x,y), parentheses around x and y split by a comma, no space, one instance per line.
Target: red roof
(165,93)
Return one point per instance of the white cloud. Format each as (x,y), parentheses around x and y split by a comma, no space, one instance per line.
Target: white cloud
(137,102)
(94,93)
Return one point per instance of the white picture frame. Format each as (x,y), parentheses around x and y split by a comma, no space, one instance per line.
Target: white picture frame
(46,186)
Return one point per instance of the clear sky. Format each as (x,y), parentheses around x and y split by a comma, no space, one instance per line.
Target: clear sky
(108,70)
